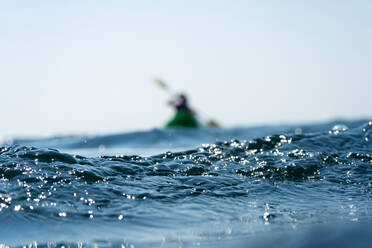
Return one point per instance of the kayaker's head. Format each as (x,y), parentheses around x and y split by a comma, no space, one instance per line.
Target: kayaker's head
(179,101)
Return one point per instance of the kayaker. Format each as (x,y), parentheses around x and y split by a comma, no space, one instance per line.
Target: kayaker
(184,116)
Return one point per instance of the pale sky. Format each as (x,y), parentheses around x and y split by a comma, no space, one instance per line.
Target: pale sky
(87,66)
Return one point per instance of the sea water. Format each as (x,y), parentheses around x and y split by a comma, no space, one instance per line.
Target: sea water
(265,186)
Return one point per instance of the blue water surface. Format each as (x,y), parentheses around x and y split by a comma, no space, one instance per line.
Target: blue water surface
(293,185)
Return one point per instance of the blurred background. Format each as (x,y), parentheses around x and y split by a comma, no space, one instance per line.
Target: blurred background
(71,67)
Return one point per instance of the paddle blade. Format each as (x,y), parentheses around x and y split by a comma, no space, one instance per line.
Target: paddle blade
(161,83)
(213,123)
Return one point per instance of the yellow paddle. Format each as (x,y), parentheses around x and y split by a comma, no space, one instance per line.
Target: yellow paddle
(161,84)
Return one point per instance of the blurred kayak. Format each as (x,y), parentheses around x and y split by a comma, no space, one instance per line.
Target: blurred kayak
(183,118)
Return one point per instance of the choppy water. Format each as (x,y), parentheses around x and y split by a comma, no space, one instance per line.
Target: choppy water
(297,186)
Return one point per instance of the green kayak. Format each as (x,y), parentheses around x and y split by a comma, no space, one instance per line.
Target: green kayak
(183,118)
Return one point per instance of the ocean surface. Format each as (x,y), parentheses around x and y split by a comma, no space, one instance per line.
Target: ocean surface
(305,185)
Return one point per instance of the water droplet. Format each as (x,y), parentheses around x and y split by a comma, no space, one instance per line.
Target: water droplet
(338,129)
(101,148)
(298,131)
